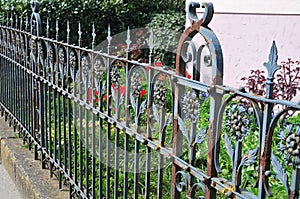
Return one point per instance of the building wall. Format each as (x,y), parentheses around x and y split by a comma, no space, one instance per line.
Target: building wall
(246,34)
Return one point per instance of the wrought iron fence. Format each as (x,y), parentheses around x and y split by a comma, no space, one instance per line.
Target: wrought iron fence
(110,127)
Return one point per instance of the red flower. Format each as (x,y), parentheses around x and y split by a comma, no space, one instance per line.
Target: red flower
(90,95)
(122,89)
(159,64)
(188,75)
(105,97)
(143,92)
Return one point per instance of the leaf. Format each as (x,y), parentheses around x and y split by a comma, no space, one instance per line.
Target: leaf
(122,97)
(155,112)
(169,120)
(229,147)
(248,158)
(143,107)
(113,93)
(200,137)
(183,128)
(280,172)
(133,103)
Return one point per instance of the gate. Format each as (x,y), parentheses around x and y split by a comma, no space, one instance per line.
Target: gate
(108,127)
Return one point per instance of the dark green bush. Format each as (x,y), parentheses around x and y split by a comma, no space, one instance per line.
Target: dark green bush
(119,13)
(167,28)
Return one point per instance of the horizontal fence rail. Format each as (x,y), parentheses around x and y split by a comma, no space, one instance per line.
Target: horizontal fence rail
(108,126)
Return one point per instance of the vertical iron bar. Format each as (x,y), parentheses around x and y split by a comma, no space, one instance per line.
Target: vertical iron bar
(136,156)
(127,118)
(149,121)
(117,145)
(161,158)
(108,130)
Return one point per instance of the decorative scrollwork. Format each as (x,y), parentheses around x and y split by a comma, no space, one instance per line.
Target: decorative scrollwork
(208,12)
(195,189)
(290,144)
(181,181)
(191,106)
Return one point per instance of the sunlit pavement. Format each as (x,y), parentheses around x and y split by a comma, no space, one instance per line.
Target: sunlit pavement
(8,189)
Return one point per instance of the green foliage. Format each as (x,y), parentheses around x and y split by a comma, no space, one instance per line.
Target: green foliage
(119,13)
(167,28)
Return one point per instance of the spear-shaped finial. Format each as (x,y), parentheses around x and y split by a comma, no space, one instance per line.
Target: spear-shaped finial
(47,28)
(11,20)
(79,34)
(68,32)
(94,36)
(17,22)
(151,46)
(7,19)
(272,65)
(128,41)
(57,29)
(109,38)
(151,41)
(26,23)
(21,22)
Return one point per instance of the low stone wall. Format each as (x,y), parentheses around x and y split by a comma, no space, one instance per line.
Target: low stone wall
(32,181)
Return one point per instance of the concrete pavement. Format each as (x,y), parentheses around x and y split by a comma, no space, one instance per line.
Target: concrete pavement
(8,189)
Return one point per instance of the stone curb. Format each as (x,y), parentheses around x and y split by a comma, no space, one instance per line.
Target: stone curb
(32,181)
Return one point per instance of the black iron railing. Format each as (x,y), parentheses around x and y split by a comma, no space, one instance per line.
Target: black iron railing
(110,127)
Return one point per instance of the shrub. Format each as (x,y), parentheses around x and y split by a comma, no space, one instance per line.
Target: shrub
(287,81)
(119,13)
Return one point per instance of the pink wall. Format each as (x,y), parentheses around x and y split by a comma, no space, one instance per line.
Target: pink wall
(246,40)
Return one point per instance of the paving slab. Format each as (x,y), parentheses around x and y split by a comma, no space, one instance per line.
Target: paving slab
(8,189)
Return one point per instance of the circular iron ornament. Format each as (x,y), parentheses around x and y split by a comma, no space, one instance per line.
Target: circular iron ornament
(72,62)
(99,69)
(84,65)
(290,144)
(238,121)
(40,47)
(191,106)
(50,60)
(160,91)
(181,181)
(33,46)
(136,84)
(115,73)
(61,56)
(50,54)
